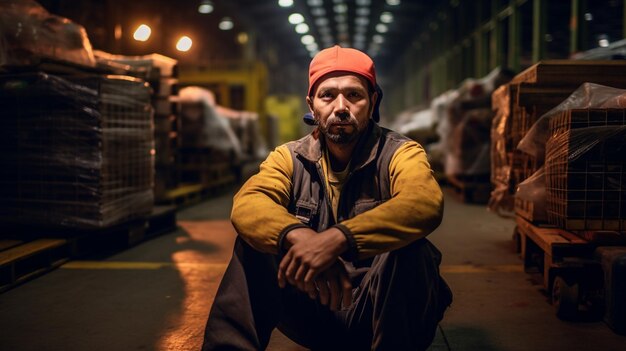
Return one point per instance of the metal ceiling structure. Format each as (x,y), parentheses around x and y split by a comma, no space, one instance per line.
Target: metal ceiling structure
(299,28)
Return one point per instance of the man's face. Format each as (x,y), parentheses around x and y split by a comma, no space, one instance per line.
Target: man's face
(342,106)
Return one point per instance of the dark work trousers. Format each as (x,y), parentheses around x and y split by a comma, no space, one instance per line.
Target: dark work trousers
(398,302)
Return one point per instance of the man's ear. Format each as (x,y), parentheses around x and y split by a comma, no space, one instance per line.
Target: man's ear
(309,103)
(373,100)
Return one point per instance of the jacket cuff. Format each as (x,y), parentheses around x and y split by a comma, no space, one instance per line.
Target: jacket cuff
(283,233)
(353,251)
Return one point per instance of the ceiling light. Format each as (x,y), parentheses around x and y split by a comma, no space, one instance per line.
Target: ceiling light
(322,21)
(362,11)
(603,43)
(342,27)
(588,17)
(226,24)
(386,17)
(340,18)
(393,2)
(360,29)
(205,7)
(324,30)
(184,43)
(361,21)
(315,3)
(381,28)
(302,28)
(307,39)
(318,11)
(313,53)
(312,47)
(341,8)
(296,18)
(285,3)
(363,2)
(360,37)
(142,33)
(378,39)
(242,38)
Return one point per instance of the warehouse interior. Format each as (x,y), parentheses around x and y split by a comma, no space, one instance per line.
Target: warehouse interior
(129,127)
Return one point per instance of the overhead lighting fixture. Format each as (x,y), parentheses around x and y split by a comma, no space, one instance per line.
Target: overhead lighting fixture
(324,30)
(378,39)
(312,47)
(588,17)
(342,27)
(315,3)
(360,30)
(362,11)
(393,2)
(340,8)
(360,37)
(340,18)
(285,3)
(322,21)
(361,21)
(142,33)
(242,38)
(226,24)
(313,53)
(296,18)
(302,28)
(363,2)
(381,28)
(205,7)
(318,11)
(603,43)
(386,17)
(307,39)
(184,43)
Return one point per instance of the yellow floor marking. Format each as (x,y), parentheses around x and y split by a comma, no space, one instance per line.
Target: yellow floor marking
(140,265)
(482,269)
(127,265)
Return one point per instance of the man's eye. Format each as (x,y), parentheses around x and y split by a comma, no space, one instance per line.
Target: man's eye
(326,95)
(354,94)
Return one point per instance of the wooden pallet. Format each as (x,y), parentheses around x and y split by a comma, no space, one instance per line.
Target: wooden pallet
(43,250)
(551,249)
(191,194)
(27,261)
(470,191)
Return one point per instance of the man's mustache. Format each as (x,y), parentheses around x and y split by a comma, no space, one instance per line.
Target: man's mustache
(339,120)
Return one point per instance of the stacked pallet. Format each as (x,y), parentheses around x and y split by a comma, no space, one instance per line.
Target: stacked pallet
(161,73)
(77,150)
(586,170)
(518,105)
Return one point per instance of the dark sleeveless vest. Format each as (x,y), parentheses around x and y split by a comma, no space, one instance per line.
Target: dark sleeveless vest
(367,184)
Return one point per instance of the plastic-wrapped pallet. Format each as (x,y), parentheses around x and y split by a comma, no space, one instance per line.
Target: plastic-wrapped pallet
(77,151)
(28,34)
(584,142)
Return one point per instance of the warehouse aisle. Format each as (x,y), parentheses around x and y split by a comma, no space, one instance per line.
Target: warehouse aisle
(156,296)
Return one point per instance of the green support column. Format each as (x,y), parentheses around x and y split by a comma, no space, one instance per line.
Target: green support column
(539,29)
(574,25)
(496,44)
(624,19)
(515,37)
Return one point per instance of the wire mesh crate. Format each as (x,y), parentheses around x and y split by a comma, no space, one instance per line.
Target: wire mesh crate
(77,150)
(586,170)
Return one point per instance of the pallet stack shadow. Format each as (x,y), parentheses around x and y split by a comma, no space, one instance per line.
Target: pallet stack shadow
(77,150)
(161,73)
(518,105)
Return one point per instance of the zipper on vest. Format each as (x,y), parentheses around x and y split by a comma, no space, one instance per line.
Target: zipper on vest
(329,208)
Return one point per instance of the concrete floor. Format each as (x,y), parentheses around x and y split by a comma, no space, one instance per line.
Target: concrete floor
(156,296)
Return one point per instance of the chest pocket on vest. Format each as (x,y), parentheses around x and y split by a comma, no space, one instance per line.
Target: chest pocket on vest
(306,212)
(364,205)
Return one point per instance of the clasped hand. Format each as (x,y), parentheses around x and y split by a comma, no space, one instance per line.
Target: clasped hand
(312,265)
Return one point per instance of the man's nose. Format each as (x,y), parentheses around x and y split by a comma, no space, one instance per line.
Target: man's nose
(341,108)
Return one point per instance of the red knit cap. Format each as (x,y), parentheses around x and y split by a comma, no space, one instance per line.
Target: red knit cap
(337,59)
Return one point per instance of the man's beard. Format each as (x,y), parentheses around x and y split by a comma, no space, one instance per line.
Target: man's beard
(341,136)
